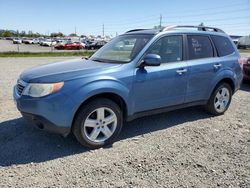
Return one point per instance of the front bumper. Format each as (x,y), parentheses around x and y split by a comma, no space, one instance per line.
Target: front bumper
(44,124)
(53,113)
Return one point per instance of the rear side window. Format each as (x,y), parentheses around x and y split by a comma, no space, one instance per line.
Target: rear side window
(223,45)
(199,47)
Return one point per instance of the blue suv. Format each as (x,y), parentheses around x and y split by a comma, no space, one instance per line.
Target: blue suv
(139,73)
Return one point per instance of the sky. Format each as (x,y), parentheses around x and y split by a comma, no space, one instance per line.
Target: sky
(117,16)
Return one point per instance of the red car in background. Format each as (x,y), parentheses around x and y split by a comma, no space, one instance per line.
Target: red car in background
(69,46)
(246,69)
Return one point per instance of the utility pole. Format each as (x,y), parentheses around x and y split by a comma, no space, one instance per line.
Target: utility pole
(75,30)
(160,20)
(103,30)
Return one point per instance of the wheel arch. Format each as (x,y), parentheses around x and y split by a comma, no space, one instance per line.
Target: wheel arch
(108,95)
(227,80)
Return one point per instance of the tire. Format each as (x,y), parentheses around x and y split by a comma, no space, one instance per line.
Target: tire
(220,99)
(98,133)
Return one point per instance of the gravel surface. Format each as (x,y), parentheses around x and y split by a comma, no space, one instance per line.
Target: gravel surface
(183,148)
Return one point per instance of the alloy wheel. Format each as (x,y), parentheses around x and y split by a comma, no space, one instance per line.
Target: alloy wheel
(221,100)
(100,124)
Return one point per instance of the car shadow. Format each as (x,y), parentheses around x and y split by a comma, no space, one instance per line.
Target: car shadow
(21,143)
(245,86)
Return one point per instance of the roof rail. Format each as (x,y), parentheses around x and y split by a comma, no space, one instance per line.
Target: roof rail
(200,28)
(135,30)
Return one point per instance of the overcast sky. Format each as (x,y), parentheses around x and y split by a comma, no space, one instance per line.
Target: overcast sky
(88,16)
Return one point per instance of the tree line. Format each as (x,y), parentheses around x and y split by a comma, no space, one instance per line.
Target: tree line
(30,34)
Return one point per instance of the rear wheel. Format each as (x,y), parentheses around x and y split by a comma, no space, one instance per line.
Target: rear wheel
(220,99)
(98,123)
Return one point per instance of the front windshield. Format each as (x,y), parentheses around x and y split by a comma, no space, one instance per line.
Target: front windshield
(121,49)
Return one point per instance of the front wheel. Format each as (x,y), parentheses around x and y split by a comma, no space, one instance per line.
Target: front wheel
(98,123)
(220,99)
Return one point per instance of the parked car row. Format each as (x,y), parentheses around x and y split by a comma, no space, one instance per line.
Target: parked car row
(25,41)
(62,44)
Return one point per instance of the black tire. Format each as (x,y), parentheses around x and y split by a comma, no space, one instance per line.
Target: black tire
(210,107)
(85,111)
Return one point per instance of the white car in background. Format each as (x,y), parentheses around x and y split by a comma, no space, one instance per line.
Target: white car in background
(48,42)
(17,41)
(35,41)
(28,41)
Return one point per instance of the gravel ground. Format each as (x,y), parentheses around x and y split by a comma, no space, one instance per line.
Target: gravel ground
(183,148)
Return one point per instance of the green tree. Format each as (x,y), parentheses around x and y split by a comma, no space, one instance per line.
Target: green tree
(73,35)
(23,34)
(201,24)
(59,34)
(6,34)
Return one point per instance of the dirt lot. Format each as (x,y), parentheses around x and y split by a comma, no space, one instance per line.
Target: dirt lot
(184,148)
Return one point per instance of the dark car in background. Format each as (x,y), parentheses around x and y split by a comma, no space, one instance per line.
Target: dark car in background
(95,45)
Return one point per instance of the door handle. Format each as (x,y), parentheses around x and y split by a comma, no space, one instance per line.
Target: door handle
(217,66)
(181,71)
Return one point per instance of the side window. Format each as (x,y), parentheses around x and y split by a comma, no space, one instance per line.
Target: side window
(223,45)
(199,47)
(169,48)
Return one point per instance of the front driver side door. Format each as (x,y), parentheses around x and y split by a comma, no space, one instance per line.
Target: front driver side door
(164,85)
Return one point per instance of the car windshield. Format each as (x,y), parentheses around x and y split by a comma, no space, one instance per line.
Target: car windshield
(121,49)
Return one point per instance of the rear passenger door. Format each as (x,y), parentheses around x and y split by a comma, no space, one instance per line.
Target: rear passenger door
(202,66)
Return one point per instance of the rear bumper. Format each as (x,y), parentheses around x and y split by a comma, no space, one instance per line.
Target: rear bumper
(44,124)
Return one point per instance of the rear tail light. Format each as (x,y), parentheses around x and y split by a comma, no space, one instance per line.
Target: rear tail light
(248,61)
(241,61)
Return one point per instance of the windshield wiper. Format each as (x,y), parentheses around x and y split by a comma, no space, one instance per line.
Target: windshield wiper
(98,60)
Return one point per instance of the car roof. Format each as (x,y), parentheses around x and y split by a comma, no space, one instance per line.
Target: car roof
(179,29)
(143,31)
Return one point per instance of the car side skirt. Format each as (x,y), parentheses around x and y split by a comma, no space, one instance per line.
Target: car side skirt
(165,109)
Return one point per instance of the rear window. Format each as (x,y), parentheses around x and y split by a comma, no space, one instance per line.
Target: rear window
(199,47)
(223,45)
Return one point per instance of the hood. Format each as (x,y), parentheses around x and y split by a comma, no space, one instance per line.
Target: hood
(66,70)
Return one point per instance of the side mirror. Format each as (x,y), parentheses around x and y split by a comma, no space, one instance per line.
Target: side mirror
(151,60)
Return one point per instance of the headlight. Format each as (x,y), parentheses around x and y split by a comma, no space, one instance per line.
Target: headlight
(40,90)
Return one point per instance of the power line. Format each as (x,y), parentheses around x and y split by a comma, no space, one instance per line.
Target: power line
(150,21)
(212,20)
(209,14)
(102,29)
(160,20)
(150,17)
(212,8)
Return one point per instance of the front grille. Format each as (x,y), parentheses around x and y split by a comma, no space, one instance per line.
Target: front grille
(20,87)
